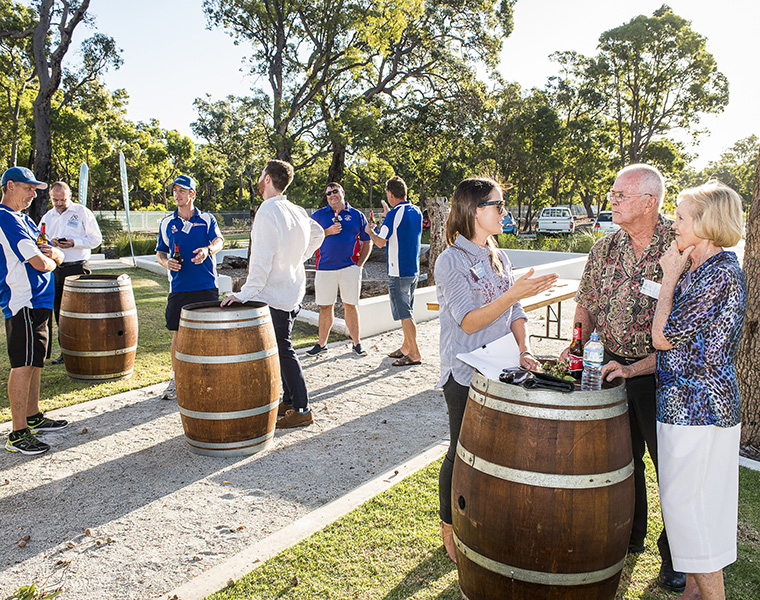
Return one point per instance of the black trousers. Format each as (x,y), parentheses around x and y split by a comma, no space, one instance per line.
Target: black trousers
(61,272)
(455,395)
(293,382)
(642,411)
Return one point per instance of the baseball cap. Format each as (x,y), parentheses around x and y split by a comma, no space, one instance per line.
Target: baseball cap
(185,181)
(22,175)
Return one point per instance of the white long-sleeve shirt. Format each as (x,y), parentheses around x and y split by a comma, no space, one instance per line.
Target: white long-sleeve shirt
(282,238)
(78,224)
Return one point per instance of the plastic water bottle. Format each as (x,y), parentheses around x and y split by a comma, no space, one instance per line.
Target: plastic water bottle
(593,357)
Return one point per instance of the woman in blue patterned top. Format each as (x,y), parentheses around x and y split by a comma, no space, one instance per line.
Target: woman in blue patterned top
(696,330)
(479,302)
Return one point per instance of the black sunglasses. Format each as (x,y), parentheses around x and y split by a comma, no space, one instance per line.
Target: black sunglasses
(499,203)
(330,192)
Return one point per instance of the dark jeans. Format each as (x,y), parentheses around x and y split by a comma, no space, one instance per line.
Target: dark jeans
(642,410)
(293,383)
(59,276)
(456,400)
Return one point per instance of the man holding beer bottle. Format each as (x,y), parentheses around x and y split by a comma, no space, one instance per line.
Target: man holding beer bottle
(26,297)
(339,265)
(187,242)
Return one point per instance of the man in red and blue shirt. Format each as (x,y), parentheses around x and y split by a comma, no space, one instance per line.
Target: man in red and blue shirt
(339,265)
(195,236)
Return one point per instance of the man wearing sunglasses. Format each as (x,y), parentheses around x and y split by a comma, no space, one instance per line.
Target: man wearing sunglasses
(339,266)
(401,231)
(617,297)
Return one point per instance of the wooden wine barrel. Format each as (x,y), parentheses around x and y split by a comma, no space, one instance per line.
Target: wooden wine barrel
(227,378)
(98,327)
(542,493)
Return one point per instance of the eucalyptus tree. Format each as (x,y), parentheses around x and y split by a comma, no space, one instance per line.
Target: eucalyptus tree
(51,35)
(736,167)
(16,74)
(656,75)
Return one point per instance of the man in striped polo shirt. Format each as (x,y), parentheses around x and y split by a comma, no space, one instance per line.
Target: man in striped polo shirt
(401,232)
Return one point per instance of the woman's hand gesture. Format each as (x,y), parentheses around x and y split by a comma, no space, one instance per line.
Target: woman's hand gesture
(527,285)
(673,262)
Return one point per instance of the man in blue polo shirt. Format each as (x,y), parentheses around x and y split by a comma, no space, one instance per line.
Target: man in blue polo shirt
(401,231)
(26,296)
(187,242)
(339,265)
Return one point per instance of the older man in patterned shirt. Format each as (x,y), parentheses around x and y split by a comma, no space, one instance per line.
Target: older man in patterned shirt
(617,297)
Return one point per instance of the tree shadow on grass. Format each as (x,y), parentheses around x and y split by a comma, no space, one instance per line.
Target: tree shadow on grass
(435,566)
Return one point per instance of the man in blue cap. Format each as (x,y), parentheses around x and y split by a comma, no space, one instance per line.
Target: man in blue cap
(26,296)
(187,242)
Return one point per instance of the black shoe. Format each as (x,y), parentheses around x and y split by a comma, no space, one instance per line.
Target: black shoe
(359,350)
(316,350)
(39,423)
(25,443)
(635,548)
(671,580)
(57,361)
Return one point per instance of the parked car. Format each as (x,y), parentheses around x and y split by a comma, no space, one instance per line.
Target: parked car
(509,224)
(555,220)
(604,222)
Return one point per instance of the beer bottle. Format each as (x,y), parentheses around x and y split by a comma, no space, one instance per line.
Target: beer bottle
(176,255)
(372,218)
(575,355)
(336,219)
(42,238)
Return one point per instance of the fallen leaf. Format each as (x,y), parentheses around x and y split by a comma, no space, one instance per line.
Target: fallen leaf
(21,544)
(84,430)
(70,544)
(88,531)
(26,538)
(294,581)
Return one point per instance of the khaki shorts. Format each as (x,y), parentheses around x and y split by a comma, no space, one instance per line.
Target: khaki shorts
(327,284)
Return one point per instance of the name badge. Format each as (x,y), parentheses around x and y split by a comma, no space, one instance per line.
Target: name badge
(187,226)
(478,271)
(651,289)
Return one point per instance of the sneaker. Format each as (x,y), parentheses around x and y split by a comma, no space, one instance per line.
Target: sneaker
(316,350)
(293,418)
(57,361)
(283,409)
(359,350)
(39,423)
(170,393)
(26,443)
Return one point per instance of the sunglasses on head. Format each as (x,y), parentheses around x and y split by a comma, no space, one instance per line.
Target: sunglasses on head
(330,192)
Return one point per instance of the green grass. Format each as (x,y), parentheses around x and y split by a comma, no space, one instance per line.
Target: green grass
(389,548)
(152,362)
(580,241)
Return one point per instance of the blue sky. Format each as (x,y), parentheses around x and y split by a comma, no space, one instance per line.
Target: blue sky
(170,58)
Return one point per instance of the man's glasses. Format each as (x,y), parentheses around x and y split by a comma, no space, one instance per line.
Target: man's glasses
(621,197)
(499,203)
(330,192)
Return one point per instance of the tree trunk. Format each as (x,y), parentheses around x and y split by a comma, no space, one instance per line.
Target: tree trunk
(338,163)
(438,211)
(748,355)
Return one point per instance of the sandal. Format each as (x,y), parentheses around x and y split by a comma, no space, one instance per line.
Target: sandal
(405,361)
(447,535)
(396,353)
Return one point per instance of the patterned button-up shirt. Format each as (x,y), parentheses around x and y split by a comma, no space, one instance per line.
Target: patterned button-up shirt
(696,381)
(611,290)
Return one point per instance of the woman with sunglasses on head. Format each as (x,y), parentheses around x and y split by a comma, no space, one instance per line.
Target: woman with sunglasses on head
(696,331)
(479,302)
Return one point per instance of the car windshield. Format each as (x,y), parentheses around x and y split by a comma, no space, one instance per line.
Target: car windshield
(605,216)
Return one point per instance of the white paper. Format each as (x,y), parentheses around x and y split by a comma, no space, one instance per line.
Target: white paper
(494,357)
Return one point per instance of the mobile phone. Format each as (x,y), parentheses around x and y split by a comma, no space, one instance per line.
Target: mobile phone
(62,240)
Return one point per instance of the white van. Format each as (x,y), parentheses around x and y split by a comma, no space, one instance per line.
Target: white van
(555,220)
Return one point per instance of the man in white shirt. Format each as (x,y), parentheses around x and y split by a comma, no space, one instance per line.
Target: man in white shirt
(283,237)
(71,228)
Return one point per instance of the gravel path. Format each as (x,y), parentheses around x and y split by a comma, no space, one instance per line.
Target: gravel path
(120,509)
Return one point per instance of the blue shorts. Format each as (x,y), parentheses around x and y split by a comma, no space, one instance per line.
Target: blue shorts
(401,294)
